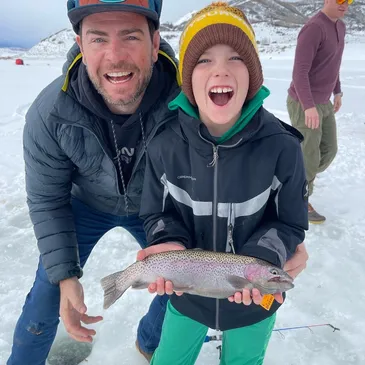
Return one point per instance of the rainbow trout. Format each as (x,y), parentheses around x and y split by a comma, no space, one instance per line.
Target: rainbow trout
(205,273)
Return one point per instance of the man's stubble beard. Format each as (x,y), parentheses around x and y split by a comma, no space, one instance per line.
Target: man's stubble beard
(124,103)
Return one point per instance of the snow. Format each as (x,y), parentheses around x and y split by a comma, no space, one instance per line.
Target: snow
(328,291)
(54,46)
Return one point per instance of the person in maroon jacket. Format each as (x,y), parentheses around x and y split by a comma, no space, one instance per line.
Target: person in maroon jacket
(315,78)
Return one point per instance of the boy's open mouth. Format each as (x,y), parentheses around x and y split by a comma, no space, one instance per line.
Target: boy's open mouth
(118,77)
(221,95)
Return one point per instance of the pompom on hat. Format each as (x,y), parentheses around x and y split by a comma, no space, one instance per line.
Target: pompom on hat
(219,23)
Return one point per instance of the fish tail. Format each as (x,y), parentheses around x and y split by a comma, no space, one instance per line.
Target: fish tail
(114,286)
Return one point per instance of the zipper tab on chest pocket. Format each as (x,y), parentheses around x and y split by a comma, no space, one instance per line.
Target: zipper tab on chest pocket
(230,227)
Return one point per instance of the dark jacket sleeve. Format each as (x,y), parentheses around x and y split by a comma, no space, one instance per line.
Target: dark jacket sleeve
(286,216)
(161,220)
(48,187)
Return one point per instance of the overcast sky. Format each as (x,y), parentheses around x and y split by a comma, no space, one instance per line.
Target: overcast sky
(24,23)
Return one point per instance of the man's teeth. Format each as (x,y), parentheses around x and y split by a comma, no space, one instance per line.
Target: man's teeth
(220,90)
(118,74)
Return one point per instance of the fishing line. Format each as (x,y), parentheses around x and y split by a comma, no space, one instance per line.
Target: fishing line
(279,330)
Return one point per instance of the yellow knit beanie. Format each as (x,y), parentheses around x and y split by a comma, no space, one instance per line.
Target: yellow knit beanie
(218,23)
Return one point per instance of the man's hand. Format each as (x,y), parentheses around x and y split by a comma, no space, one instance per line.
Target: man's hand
(337,103)
(298,262)
(73,310)
(246,297)
(312,118)
(160,286)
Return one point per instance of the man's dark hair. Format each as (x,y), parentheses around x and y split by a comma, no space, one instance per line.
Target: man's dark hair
(151,28)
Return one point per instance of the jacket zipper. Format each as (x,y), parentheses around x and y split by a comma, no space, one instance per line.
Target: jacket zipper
(230,227)
(214,164)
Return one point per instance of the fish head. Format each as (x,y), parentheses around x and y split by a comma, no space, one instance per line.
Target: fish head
(268,279)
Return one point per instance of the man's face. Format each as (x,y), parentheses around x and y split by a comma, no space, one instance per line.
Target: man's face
(335,10)
(119,54)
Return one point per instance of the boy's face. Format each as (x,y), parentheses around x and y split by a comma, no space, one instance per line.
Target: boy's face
(220,84)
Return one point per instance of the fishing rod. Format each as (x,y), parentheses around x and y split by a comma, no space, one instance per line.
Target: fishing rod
(219,337)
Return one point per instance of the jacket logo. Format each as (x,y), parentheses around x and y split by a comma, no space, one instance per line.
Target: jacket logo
(125,154)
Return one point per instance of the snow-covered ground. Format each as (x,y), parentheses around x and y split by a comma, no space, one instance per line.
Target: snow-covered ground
(329,291)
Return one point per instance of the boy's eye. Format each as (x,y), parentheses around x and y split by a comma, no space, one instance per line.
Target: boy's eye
(203,61)
(236,58)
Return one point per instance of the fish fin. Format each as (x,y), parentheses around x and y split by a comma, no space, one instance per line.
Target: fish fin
(140,285)
(111,292)
(197,249)
(182,288)
(238,282)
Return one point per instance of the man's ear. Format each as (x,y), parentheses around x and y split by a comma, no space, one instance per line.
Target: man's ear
(79,42)
(155,46)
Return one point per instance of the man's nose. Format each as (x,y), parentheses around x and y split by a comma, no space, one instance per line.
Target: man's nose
(116,51)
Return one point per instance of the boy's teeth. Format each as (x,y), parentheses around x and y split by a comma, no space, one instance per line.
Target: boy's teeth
(118,74)
(220,90)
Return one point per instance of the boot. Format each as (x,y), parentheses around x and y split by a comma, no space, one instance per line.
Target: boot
(146,355)
(314,217)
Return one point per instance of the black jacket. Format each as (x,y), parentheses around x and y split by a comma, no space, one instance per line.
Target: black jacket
(249,193)
(67,152)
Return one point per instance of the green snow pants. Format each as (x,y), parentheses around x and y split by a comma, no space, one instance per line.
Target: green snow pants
(182,339)
(320,145)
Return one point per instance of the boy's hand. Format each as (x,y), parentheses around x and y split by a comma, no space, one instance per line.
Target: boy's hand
(160,286)
(246,298)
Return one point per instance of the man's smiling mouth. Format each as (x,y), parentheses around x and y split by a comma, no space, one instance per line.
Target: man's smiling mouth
(118,77)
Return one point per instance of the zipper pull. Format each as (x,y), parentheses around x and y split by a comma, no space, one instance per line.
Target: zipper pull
(230,237)
(215,157)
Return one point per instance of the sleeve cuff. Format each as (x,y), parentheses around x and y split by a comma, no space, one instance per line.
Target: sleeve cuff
(63,271)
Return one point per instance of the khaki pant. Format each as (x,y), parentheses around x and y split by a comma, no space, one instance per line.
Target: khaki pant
(320,145)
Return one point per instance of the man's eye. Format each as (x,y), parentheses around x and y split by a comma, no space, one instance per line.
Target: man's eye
(98,40)
(132,38)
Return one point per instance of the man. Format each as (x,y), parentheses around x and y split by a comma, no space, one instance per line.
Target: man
(315,77)
(84,148)
(84,143)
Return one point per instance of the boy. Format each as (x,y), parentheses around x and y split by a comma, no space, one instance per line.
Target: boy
(227,176)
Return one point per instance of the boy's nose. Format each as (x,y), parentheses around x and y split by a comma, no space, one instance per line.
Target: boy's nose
(221,71)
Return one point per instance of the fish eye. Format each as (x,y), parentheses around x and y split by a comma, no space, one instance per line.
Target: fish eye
(274,272)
